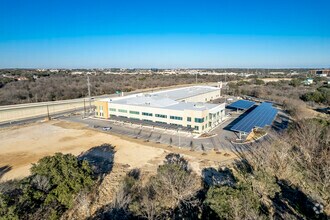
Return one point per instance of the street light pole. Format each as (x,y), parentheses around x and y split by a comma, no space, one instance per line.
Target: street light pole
(89,94)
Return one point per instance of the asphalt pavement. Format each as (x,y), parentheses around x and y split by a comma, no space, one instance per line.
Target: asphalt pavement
(219,142)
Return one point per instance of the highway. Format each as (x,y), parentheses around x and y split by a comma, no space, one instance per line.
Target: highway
(30,112)
(39,118)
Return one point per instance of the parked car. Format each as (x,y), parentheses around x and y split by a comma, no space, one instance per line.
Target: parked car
(106,128)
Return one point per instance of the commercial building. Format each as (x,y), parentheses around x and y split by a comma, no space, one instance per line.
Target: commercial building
(183,107)
(322,72)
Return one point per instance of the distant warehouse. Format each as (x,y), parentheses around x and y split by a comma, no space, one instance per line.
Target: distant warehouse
(183,107)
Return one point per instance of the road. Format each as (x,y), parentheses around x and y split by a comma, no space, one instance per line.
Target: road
(23,112)
(39,118)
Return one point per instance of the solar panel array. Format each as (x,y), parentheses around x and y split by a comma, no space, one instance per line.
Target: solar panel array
(260,117)
(241,104)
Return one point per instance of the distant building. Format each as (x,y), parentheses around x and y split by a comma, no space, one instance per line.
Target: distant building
(182,107)
(276,73)
(308,81)
(325,72)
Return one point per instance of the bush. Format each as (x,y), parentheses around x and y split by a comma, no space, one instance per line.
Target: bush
(233,203)
(321,95)
(50,190)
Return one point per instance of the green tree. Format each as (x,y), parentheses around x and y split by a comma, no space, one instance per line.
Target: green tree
(51,189)
(66,176)
(233,203)
(295,82)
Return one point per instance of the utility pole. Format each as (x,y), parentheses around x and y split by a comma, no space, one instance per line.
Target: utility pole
(196,77)
(89,94)
(84,108)
(48,116)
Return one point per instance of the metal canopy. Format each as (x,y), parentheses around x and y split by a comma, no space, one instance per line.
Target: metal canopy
(261,116)
(241,104)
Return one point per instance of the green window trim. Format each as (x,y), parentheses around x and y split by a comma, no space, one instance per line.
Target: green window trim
(147,114)
(112,109)
(122,110)
(160,116)
(176,118)
(134,112)
(188,118)
(199,120)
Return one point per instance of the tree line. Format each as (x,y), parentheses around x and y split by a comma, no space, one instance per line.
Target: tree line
(61,86)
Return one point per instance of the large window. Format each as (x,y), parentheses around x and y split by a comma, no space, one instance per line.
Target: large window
(146,114)
(122,110)
(112,109)
(196,128)
(176,118)
(188,118)
(134,112)
(199,120)
(160,116)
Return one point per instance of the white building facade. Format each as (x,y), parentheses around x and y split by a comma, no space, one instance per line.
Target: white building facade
(185,107)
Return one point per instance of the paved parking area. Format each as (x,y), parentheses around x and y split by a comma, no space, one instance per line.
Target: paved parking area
(169,137)
(220,141)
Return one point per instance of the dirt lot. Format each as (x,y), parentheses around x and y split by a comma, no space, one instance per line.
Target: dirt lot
(21,146)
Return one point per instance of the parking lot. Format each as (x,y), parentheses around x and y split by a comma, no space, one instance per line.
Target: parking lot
(219,141)
(220,137)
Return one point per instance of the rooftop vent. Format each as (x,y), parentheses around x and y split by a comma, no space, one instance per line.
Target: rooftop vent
(199,105)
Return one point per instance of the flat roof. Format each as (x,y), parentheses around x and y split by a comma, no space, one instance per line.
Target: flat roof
(159,102)
(186,92)
(168,99)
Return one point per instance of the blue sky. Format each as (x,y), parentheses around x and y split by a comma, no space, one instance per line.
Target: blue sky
(164,34)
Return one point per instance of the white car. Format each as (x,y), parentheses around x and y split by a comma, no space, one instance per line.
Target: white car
(106,128)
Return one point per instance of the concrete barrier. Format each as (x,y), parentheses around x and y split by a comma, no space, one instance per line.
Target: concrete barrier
(22,111)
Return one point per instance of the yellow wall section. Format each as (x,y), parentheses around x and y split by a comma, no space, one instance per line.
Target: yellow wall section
(98,110)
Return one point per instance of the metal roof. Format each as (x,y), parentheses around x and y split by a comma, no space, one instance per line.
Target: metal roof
(241,104)
(261,116)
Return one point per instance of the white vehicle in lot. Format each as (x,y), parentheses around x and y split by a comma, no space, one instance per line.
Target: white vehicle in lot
(106,128)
